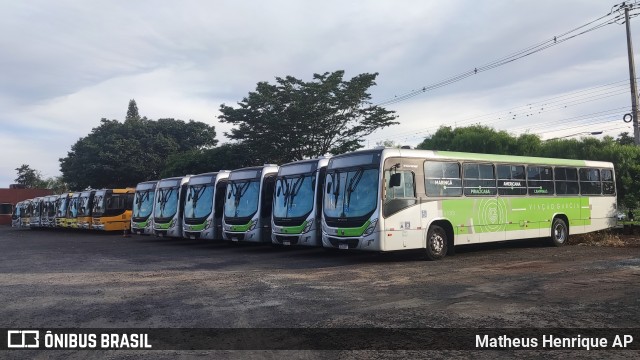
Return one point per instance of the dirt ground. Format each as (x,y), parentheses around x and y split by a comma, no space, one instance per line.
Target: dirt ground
(56,279)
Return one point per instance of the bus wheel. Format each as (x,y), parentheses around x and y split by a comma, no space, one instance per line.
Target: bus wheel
(559,232)
(436,243)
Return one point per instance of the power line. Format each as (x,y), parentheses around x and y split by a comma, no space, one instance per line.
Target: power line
(533,108)
(600,22)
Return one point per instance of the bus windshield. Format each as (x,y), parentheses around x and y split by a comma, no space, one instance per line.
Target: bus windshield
(351,192)
(199,201)
(242,198)
(167,202)
(99,203)
(62,208)
(83,205)
(143,203)
(294,195)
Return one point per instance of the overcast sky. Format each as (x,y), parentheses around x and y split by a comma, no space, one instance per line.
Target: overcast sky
(66,64)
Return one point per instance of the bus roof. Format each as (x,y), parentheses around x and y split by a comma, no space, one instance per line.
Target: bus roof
(453,155)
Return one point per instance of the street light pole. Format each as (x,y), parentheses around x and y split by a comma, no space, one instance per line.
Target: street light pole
(632,76)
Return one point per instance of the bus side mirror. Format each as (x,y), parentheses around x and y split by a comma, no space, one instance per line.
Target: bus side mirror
(394,180)
(229,195)
(328,187)
(279,190)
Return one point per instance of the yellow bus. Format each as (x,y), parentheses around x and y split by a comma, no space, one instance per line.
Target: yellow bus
(72,211)
(112,209)
(61,210)
(85,207)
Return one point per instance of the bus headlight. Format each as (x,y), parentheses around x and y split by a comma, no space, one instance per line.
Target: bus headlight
(173,223)
(371,228)
(252,226)
(207,224)
(308,226)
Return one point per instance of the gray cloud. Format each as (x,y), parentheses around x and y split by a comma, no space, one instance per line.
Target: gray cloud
(66,64)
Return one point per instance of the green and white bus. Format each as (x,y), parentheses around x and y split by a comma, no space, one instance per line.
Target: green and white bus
(297,203)
(248,204)
(394,199)
(144,200)
(204,205)
(169,205)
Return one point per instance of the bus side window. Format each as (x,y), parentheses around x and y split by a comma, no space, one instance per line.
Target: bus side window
(511,180)
(540,180)
(608,185)
(566,181)
(442,178)
(590,182)
(479,179)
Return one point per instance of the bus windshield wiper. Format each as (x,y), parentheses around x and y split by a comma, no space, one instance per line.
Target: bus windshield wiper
(240,190)
(353,184)
(295,188)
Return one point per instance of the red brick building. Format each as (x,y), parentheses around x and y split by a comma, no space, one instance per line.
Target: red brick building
(10,197)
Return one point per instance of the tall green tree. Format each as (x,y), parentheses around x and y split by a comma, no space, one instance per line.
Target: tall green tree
(293,119)
(132,111)
(29,177)
(117,154)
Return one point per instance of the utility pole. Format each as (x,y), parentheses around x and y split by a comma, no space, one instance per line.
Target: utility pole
(632,76)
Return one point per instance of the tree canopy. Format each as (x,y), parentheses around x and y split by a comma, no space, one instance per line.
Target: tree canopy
(28,177)
(482,139)
(293,119)
(120,154)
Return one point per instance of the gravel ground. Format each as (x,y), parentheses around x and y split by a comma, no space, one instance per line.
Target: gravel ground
(63,279)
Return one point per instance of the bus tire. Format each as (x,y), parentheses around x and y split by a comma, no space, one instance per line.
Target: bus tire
(559,232)
(437,243)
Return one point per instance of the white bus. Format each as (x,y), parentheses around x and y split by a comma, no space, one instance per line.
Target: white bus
(394,199)
(297,203)
(204,205)
(248,204)
(35,220)
(169,206)
(49,211)
(17,215)
(142,216)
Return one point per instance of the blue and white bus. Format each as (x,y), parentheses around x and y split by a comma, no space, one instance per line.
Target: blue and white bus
(297,203)
(204,206)
(248,204)
(169,205)
(143,203)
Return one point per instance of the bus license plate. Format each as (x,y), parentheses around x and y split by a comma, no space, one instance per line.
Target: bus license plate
(286,242)
(343,246)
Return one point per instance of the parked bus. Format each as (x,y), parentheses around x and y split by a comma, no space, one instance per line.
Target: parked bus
(49,211)
(204,205)
(72,211)
(169,206)
(248,204)
(85,209)
(297,203)
(393,199)
(25,214)
(35,220)
(61,210)
(16,216)
(112,209)
(143,201)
